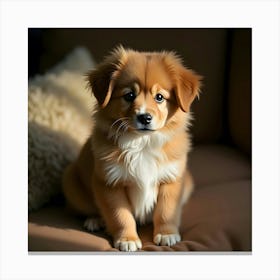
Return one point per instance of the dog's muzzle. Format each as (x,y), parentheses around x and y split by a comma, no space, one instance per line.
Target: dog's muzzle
(144,121)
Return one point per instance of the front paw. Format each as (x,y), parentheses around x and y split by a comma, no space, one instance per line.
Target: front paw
(128,245)
(167,239)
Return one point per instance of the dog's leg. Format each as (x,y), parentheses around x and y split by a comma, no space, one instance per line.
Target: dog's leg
(116,211)
(188,187)
(167,213)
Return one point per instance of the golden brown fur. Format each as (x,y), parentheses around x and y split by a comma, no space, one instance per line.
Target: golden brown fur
(133,167)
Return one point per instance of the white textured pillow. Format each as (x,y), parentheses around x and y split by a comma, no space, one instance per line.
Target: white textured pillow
(59,122)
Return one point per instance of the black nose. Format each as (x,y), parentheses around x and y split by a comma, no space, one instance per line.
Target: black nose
(144,118)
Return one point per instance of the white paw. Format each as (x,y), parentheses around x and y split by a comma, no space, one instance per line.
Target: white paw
(93,224)
(167,239)
(129,245)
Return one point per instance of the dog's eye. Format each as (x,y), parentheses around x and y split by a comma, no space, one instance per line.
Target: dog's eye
(130,96)
(159,98)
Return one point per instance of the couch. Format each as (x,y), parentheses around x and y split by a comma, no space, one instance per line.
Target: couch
(218,216)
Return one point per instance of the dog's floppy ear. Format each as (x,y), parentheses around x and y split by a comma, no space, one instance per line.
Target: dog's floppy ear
(187,87)
(101,82)
(102,79)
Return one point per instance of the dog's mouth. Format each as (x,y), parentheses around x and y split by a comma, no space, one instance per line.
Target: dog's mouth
(145,129)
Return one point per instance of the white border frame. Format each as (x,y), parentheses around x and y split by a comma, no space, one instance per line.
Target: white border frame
(17,16)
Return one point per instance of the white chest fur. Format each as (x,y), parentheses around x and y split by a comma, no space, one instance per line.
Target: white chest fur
(143,169)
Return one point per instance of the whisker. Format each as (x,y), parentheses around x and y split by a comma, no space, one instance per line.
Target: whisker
(110,132)
(118,120)
(122,124)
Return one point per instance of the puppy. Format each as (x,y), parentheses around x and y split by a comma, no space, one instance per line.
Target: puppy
(133,168)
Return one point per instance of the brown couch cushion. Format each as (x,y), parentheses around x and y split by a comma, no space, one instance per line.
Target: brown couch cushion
(215,164)
(217,217)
